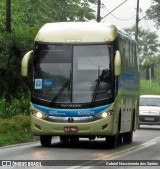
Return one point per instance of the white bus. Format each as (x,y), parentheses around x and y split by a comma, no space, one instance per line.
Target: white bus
(85,83)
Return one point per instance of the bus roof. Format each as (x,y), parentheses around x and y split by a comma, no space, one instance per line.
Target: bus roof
(76,32)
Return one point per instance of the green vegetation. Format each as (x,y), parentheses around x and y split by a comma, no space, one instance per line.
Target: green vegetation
(25,24)
(17,106)
(15,130)
(153,12)
(149,87)
(14,90)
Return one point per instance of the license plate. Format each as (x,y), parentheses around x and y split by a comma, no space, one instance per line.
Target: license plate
(149,118)
(70,128)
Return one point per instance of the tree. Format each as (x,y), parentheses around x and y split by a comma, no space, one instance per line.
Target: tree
(148,46)
(154,12)
(36,13)
(27,17)
(8,16)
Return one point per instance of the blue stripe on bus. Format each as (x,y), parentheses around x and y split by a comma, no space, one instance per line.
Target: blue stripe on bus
(71,112)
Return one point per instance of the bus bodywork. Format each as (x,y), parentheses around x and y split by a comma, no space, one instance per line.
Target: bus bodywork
(85,83)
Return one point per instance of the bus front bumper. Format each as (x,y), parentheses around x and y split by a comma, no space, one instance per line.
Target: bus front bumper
(101,127)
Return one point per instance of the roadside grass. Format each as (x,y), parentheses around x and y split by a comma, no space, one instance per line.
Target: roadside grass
(15,130)
(148,87)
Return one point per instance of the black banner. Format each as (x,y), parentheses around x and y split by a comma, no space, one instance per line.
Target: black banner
(29,163)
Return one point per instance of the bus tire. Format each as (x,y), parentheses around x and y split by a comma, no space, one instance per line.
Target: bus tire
(119,139)
(111,141)
(127,137)
(119,122)
(133,121)
(45,140)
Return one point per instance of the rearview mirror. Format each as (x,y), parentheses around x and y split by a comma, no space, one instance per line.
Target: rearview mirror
(117,64)
(24,64)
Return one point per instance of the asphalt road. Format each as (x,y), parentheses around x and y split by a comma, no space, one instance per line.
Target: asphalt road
(145,146)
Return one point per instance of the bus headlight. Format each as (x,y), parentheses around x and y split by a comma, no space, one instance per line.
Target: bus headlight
(38,114)
(106,113)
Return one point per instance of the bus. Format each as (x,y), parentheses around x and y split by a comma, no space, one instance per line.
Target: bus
(85,83)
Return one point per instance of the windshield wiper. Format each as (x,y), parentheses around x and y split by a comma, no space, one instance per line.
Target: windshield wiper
(66,84)
(95,91)
(101,78)
(96,87)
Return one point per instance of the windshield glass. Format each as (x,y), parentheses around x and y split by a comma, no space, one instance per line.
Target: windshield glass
(91,68)
(72,74)
(150,102)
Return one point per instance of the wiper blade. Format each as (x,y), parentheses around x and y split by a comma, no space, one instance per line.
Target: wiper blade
(66,84)
(95,91)
(101,78)
(97,86)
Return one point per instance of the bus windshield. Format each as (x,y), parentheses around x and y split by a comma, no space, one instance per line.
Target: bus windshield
(72,73)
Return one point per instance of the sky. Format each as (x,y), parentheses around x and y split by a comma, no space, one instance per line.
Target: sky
(125,15)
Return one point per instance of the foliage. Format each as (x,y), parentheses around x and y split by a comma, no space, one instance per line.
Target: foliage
(149,87)
(149,61)
(153,12)
(12,48)
(157,73)
(27,17)
(148,46)
(36,13)
(19,105)
(15,130)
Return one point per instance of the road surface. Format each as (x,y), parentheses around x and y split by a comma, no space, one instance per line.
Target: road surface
(145,146)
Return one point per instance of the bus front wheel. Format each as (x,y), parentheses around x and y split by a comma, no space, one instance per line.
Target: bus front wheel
(127,137)
(45,140)
(111,141)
